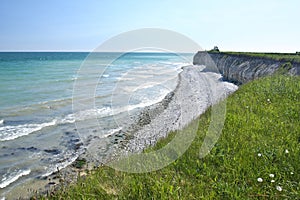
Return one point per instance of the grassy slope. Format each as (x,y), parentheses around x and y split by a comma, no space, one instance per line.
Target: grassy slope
(286,57)
(253,125)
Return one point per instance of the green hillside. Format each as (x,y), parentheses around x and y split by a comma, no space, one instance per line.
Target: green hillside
(256,157)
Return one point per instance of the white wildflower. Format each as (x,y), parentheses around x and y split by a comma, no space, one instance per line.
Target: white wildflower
(286,151)
(271,175)
(292,173)
(260,180)
(269,100)
(259,154)
(279,188)
(272,181)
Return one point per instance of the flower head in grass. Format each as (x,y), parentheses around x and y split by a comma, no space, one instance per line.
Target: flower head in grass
(272,175)
(286,151)
(279,188)
(259,154)
(260,180)
(272,181)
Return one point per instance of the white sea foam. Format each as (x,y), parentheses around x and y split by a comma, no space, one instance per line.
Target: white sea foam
(1,121)
(12,177)
(105,75)
(145,86)
(85,115)
(124,78)
(74,78)
(60,165)
(13,132)
(55,101)
(110,111)
(181,64)
(147,102)
(176,64)
(111,132)
(69,119)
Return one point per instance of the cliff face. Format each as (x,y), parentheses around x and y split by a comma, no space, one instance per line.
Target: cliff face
(241,69)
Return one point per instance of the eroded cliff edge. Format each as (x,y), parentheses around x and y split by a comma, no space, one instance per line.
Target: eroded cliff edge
(241,68)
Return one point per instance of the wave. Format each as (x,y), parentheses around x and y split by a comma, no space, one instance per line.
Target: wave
(13,132)
(86,114)
(109,110)
(55,101)
(146,86)
(124,79)
(12,177)
(111,132)
(146,103)
(36,107)
(69,119)
(1,121)
(74,78)
(60,165)
(175,63)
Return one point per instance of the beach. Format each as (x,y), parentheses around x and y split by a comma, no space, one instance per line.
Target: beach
(191,98)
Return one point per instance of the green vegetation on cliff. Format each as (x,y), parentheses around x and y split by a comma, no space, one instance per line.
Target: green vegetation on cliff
(257,155)
(284,57)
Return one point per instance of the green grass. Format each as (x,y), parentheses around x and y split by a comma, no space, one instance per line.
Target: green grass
(263,117)
(285,57)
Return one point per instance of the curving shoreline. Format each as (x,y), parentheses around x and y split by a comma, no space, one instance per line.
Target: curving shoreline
(195,91)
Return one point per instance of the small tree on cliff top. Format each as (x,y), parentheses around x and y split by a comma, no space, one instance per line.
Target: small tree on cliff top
(215,49)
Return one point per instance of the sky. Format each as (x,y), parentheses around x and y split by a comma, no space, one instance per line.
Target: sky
(77,25)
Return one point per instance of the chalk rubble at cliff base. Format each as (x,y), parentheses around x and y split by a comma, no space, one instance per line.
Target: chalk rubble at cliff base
(195,92)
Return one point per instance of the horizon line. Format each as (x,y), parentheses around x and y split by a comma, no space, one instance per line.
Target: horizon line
(91,51)
(81,51)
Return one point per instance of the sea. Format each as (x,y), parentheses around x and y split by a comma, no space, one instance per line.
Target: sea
(39,132)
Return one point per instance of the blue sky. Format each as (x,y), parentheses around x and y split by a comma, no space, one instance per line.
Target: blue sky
(270,25)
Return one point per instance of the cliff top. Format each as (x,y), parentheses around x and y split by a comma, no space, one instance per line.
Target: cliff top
(283,57)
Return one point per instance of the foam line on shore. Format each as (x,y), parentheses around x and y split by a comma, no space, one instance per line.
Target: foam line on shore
(13,177)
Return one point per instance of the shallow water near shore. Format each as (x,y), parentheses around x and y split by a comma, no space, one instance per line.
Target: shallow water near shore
(38,134)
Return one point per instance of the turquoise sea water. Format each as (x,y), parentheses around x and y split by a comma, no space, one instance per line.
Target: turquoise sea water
(37,123)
